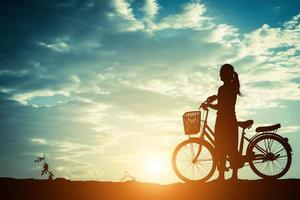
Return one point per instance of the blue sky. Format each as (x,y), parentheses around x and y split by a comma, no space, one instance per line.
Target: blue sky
(101,86)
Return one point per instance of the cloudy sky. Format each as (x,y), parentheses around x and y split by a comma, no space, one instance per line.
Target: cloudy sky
(100,86)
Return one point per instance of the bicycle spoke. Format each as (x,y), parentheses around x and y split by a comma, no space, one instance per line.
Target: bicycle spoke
(206,153)
(281,166)
(265,145)
(277,144)
(192,150)
(280,161)
(258,162)
(263,165)
(278,166)
(268,145)
(194,170)
(271,157)
(186,154)
(271,144)
(203,169)
(269,168)
(279,151)
(260,149)
(187,170)
(204,160)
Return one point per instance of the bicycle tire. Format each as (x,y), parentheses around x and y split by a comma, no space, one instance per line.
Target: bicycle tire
(284,146)
(206,149)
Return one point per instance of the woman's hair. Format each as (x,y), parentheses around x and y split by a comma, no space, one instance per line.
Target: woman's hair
(235,79)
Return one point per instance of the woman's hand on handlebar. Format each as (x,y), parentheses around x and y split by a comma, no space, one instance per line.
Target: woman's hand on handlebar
(207,104)
(204,105)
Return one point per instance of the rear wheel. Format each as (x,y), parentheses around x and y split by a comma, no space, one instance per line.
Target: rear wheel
(270,156)
(193,160)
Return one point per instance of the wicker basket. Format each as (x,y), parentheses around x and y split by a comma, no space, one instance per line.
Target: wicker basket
(191,122)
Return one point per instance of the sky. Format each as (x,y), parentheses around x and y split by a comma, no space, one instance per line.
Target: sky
(100,86)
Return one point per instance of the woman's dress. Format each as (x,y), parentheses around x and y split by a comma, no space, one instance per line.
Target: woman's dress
(226,129)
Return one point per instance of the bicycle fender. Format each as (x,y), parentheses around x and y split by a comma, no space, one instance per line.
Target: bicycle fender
(262,134)
(289,146)
(273,134)
(199,139)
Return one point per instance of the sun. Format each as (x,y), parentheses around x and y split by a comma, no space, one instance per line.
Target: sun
(154,166)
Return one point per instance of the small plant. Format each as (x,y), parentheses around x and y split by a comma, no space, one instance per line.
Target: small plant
(128,178)
(45,169)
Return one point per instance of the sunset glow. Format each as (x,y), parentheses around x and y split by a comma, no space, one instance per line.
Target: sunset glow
(155,166)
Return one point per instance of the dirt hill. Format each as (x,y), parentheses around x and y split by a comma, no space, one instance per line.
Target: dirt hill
(65,189)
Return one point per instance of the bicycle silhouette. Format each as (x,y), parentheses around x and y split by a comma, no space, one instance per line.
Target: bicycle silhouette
(194,160)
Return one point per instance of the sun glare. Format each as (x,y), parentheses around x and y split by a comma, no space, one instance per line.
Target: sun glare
(154,166)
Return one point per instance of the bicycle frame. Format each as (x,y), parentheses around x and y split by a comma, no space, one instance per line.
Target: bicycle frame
(207,133)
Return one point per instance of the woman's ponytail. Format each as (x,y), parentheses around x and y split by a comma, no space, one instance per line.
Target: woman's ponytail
(229,69)
(236,82)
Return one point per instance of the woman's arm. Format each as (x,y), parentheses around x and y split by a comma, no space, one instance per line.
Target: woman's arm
(213,106)
(211,98)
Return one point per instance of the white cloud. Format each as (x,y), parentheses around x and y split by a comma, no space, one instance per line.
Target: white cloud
(123,9)
(267,79)
(267,59)
(225,34)
(150,9)
(39,141)
(294,23)
(74,150)
(59,46)
(262,39)
(290,129)
(76,79)
(192,16)
(187,86)
(13,73)
(75,169)
(124,12)
(24,98)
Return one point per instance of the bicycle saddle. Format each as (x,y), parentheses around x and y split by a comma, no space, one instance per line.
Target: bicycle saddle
(267,128)
(245,124)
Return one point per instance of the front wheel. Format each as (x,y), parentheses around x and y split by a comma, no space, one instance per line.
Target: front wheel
(194,160)
(270,156)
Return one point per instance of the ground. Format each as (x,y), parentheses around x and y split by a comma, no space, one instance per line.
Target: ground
(65,189)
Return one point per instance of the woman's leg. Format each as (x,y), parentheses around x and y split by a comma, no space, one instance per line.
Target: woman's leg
(234,173)
(222,165)
(221,155)
(233,153)
(220,147)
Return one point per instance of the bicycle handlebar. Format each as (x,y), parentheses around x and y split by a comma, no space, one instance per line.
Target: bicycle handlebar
(209,100)
(204,105)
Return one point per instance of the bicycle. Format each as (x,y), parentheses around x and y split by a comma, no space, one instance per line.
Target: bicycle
(194,160)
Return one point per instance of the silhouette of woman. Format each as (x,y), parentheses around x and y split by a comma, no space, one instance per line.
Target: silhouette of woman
(226,129)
